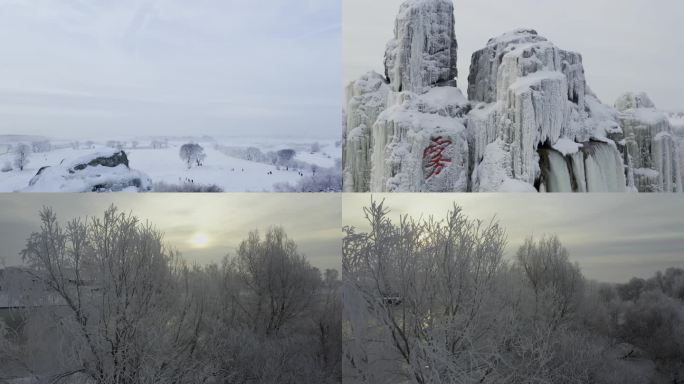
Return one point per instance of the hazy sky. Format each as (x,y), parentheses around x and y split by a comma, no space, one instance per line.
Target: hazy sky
(224,220)
(150,67)
(626,44)
(613,236)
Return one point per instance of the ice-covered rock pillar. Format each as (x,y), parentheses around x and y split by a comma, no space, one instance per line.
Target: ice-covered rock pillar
(650,144)
(423,50)
(531,97)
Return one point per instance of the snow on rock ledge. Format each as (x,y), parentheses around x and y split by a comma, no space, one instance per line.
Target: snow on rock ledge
(105,171)
(423,50)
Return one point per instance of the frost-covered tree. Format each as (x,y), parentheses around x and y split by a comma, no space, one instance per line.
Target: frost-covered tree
(104,301)
(39,146)
(419,295)
(192,154)
(116,281)
(285,156)
(556,282)
(280,282)
(21,156)
(315,147)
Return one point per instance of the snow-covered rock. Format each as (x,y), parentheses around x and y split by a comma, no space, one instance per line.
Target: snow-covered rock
(533,98)
(423,50)
(650,144)
(105,171)
(530,123)
(420,143)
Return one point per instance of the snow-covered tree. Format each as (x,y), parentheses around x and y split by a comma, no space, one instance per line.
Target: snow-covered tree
(41,146)
(285,156)
(315,147)
(192,153)
(556,283)
(21,156)
(280,282)
(116,281)
(421,295)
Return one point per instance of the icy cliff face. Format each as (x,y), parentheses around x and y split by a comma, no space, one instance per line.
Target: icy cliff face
(677,123)
(650,144)
(532,98)
(366,98)
(423,51)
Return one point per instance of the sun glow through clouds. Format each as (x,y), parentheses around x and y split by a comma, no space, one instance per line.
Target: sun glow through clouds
(199,240)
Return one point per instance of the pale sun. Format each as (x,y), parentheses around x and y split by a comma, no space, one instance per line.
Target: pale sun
(199,240)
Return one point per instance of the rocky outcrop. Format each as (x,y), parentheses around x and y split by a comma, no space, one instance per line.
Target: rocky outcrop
(423,51)
(106,171)
(650,144)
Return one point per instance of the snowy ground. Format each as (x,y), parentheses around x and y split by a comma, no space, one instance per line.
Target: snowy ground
(164,165)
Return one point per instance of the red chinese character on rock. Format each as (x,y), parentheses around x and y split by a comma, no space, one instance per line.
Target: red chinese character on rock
(432,156)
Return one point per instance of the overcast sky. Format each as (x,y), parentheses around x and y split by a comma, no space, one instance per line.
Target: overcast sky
(626,44)
(148,67)
(224,220)
(613,236)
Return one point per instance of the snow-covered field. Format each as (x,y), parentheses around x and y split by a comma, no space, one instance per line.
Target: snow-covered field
(231,174)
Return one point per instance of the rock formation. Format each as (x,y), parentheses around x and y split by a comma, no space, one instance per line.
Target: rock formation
(105,171)
(530,122)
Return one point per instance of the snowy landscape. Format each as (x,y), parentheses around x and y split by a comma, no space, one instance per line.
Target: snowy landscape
(445,300)
(39,164)
(148,96)
(529,123)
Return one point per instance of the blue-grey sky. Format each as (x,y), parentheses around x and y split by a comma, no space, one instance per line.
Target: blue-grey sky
(203,227)
(75,68)
(627,45)
(612,236)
